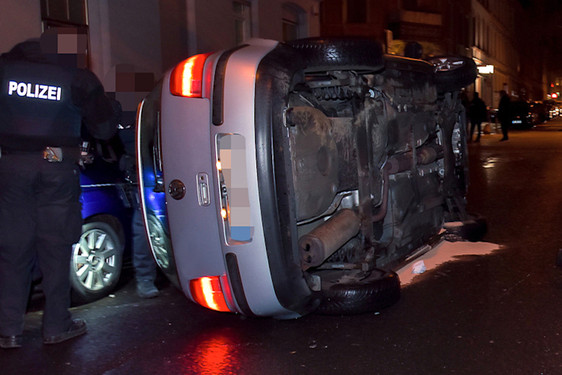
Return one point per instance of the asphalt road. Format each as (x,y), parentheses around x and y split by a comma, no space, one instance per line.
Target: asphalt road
(482,314)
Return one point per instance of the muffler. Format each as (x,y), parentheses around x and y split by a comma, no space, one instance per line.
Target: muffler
(317,245)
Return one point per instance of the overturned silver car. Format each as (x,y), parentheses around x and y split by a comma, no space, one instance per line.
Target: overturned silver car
(284,179)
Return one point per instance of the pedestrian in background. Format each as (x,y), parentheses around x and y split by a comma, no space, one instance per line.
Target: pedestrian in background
(46,95)
(504,114)
(477,112)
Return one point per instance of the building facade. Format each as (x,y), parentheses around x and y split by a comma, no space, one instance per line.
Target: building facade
(151,36)
(497,34)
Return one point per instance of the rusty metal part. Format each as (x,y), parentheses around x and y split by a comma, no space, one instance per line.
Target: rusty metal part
(317,245)
(400,163)
(314,157)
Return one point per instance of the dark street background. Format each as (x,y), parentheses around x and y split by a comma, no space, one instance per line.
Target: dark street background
(491,314)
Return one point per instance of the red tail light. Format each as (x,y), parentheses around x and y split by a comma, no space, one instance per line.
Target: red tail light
(208,292)
(187,77)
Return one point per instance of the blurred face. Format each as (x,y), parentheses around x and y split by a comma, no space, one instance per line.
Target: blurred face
(67,45)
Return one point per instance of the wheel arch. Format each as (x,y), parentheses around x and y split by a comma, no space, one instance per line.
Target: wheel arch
(274,79)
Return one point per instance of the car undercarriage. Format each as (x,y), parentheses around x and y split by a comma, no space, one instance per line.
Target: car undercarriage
(377,162)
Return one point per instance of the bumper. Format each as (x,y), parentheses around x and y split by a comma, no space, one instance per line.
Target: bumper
(215,224)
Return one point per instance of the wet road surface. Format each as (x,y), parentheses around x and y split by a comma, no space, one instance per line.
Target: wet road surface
(488,314)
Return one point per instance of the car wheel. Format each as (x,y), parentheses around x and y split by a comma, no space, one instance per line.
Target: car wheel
(357,292)
(330,53)
(453,73)
(96,262)
(160,242)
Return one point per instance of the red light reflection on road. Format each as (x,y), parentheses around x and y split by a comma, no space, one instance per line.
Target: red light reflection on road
(215,355)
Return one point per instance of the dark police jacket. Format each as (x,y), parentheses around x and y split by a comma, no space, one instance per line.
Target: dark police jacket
(44,104)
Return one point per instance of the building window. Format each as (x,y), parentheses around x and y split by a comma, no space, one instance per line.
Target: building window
(294,22)
(431,6)
(242,20)
(331,13)
(356,11)
(290,30)
(64,12)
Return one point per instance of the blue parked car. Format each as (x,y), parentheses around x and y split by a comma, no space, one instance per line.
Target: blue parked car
(107,207)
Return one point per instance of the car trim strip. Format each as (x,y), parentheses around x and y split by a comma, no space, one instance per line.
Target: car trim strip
(218,86)
(236,284)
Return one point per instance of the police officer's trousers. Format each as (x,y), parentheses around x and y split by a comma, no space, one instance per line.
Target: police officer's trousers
(40,219)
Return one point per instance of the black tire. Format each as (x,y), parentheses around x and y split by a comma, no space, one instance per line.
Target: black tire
(97,259)
(355,292)
(473,229)
(453,73)
(340,53)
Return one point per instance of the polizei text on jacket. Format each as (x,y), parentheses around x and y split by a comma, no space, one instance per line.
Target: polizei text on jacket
(34,90)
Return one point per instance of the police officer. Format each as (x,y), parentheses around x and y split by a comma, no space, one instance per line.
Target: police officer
(43,102)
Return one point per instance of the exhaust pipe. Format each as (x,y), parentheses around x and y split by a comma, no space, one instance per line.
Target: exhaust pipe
(317,246)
